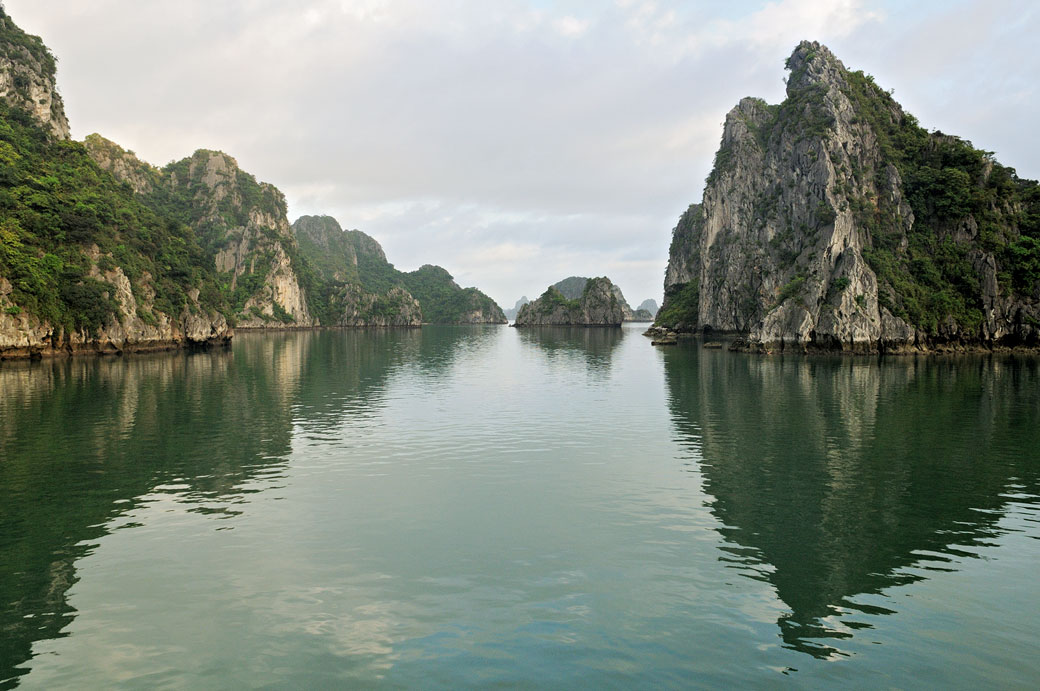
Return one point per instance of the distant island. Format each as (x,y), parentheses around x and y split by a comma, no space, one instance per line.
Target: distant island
(362,288)
(649,306)
(511,312)
(104,253)
(575,301)
(834,221)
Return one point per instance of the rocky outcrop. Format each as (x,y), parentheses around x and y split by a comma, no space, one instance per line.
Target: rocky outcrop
(511,312)
(25,335)
(833,221)
(27,78)
(573,287)
(597,305)
(240,221)
(86,267)
(341,258)
(650,306)
(396,308)
(445,302)
(360,279)
(124,165)
(245,223)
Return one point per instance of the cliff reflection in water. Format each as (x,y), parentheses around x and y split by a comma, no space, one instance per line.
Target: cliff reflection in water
(86,442)
(594,345)
(837,479)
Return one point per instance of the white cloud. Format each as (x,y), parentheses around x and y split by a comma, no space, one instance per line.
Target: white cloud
(571,26)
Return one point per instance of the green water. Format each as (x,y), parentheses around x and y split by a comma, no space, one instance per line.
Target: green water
(461,507)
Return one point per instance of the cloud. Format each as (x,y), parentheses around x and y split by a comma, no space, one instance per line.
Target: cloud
(573,133)
(571,26)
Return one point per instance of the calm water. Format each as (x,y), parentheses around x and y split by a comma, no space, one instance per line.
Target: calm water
(458,507)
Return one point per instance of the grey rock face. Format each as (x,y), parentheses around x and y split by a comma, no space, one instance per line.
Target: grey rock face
(572,288)
(27,78)
(511,312)
(396,308)
(258,241)
(650,306)
(243,220)
(777,249)
(24,335)
(598,305)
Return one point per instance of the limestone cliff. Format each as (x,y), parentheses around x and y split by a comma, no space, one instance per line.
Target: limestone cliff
(833,221)
(85,266)
(27,78)
(597,305)
(340,258)
(356,269)
(511,312)
(649,306)
(135,327)
(241,223)
(573,287)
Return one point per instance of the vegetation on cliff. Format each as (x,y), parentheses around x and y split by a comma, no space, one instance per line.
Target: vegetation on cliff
(596,305)
(13,41)
(834,220)
(102,251)
(55,204)
(351,258)
(444,302)
(953,188)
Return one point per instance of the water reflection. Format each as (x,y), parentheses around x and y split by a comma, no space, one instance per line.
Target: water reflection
(82,441)
(836,480)
(86,442)
(564,345)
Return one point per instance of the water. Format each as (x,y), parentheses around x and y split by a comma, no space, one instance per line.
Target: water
(460,507)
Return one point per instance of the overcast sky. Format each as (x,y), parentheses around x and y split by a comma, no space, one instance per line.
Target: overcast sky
(514,142)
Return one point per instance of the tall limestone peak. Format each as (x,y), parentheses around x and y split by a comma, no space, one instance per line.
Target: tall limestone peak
(27,77)
(834,221)
(240,222)
(812,63)
(244,223)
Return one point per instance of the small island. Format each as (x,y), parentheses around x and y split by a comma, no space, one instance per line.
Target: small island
(597,305)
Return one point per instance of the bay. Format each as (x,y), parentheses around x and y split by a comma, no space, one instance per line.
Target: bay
(484,506)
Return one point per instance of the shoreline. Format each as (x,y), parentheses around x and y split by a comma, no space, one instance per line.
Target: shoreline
(737,342)
(109,349)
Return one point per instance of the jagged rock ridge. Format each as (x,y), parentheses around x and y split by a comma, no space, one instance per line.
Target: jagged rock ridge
(240,222)
(357,273)
(596,305)
(833,221)
(102,252)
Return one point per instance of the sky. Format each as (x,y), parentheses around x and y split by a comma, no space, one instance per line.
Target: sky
(513,142)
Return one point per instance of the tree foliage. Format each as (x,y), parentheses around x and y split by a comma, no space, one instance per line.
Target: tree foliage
(55,204)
